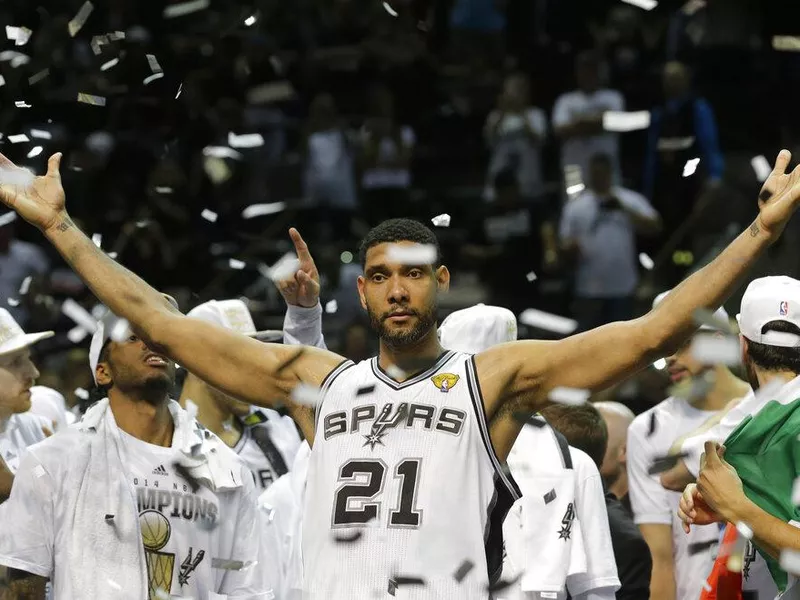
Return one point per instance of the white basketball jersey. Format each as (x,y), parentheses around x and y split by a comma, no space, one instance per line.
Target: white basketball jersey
(404,489)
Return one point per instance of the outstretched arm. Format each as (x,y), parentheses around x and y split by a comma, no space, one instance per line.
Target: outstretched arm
(263,374)
(524,373)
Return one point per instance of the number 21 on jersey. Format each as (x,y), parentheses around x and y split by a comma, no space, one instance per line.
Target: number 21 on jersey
(358,499)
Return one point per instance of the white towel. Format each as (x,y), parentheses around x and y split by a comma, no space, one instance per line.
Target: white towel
(544,541)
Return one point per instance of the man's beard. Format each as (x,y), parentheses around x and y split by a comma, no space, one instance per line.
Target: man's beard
(399,339)
(750,372)
(153,390)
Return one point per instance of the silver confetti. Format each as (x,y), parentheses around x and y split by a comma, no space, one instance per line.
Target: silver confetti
(108,65)
(646,261)
(236,264)
(9,217)
(569,396)
(209,215)
(221,152)
(79,315)
(35,151)
(796,492)
(37,77)
(626,121)
(258,210)
(277,91)
(79,20)
(119,330)
(18,138)
(396,373)
(13,302)
(331,307)
(249,21)
(790,561)
(15,176)
(387,7)
(690,167)
(185,8)
(442,220)
(97,238)
(180,89)
(91,99)
(413,254)
(531,276)
(191,409)
(643,4)
(163,189)
(162,594)
(77,334)
(286,267)
(246,140)
(786,43)
(152,78)
(761,166)
(81,393)
(41,134)
(305,394)
(153,62)
(38,471)
(715,350)
(22,104)
(547,321)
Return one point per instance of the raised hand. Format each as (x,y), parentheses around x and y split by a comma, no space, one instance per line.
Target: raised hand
(301,288)
(779,197)
(38,200)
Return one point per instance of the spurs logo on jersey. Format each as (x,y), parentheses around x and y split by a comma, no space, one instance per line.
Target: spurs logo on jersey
(566,523)
(749,557)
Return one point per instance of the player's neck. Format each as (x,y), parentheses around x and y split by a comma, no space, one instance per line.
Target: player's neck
(620,487)
(726,387)
(413,358)
(215,416)
(144,420)
(766,378)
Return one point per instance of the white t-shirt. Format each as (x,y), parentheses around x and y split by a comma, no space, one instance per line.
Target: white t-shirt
(578,150)
(284,436)
(50,404)
(694,553)
(17,433)
(180,527)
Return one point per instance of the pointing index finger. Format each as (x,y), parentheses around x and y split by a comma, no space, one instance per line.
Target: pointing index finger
(300,246)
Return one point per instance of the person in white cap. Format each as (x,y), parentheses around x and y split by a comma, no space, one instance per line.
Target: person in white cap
(51,405)
(402,489)
(751,477)
(18,427)
(263,439)
(137,500)
(680,562)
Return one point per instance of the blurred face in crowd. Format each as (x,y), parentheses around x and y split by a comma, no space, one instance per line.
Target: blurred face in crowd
(516,91)
(675,80)
(587,74)
(135,369)
(600,175)
(683,365)
(323,109)
(17,376)
(615,458)
(401,300)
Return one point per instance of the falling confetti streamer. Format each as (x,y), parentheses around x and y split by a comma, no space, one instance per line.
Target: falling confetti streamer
(389,9)
(442,220)
(698,547)
(22,104)
(152,78)
(13,302)
(91,99)
(331,307)
(690,167)
(547,321)
(736,557)
(163,190)
(761,167)
(110,64)
(646,261)
(786,43)
(414,254)
(626,121)
(119,330)
(18,138)
(35,151)
(396,373)
(236,264)
(286,266)
(278,91)
(208,215)
(503,584)
(41,134)
(77,334)
(9,217)
(2,81)
(153,62)
(258,210)
(162,594)
(79,20)
(97,238)
(569,396)
(531,277)
(81,393)
(246,140)
(79,315)
(651,429)
(37,77)
(305,394)
(249,21)
(715,350)
(185,8)
(180,89)
(643,4)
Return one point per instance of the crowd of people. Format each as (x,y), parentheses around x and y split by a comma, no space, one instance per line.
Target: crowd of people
(435,156)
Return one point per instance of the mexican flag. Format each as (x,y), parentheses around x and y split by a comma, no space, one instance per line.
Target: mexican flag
(765,451)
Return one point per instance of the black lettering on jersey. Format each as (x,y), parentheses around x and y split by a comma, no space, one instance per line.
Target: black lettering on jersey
(176,504)
(335,423)
(145,498)
(451,420)
(423,412)
(263,478)
(361,414)
(164,500)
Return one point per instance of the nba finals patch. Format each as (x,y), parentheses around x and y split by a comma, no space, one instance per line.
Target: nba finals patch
(445,381)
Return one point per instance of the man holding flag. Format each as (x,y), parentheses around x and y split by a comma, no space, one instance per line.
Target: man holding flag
(750,478)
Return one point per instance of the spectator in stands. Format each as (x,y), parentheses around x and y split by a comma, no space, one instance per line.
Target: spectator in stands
(330,186)
(18,260)
(507,243)
(683,128)
(387,150)
(515,131)
(578,118)
(584,429)
(598,232)
(618,418)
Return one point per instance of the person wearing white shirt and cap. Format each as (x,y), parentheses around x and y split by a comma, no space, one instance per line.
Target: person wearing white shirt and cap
(51,405)
(263,439)
(137,496)
(18,427)
(701,390)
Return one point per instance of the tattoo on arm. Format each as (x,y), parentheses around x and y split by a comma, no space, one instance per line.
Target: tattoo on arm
(754,229)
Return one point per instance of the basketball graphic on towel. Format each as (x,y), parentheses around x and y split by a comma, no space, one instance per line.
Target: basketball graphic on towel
(155,529)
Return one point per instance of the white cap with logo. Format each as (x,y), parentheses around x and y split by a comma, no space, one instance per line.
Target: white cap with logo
(720,314)
(478,328)
(13,338)
(770,299)
(232,314)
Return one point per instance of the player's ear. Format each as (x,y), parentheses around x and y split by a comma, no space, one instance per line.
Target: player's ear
(360,283)
(102,374)
(443,278)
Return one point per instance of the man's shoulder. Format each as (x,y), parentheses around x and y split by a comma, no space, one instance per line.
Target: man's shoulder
(583,464)
(643,423)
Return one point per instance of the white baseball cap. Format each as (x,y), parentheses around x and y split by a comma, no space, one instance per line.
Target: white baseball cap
(232,314)
(478,328)
(105,328)
(12,338)
(770,299)
(720,314)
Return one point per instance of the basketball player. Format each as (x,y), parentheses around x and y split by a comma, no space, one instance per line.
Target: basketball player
(680,562)
(137,496)
(265,441)
(403,457)
(18,427)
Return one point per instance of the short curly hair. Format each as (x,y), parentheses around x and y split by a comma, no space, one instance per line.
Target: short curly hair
(398,230)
